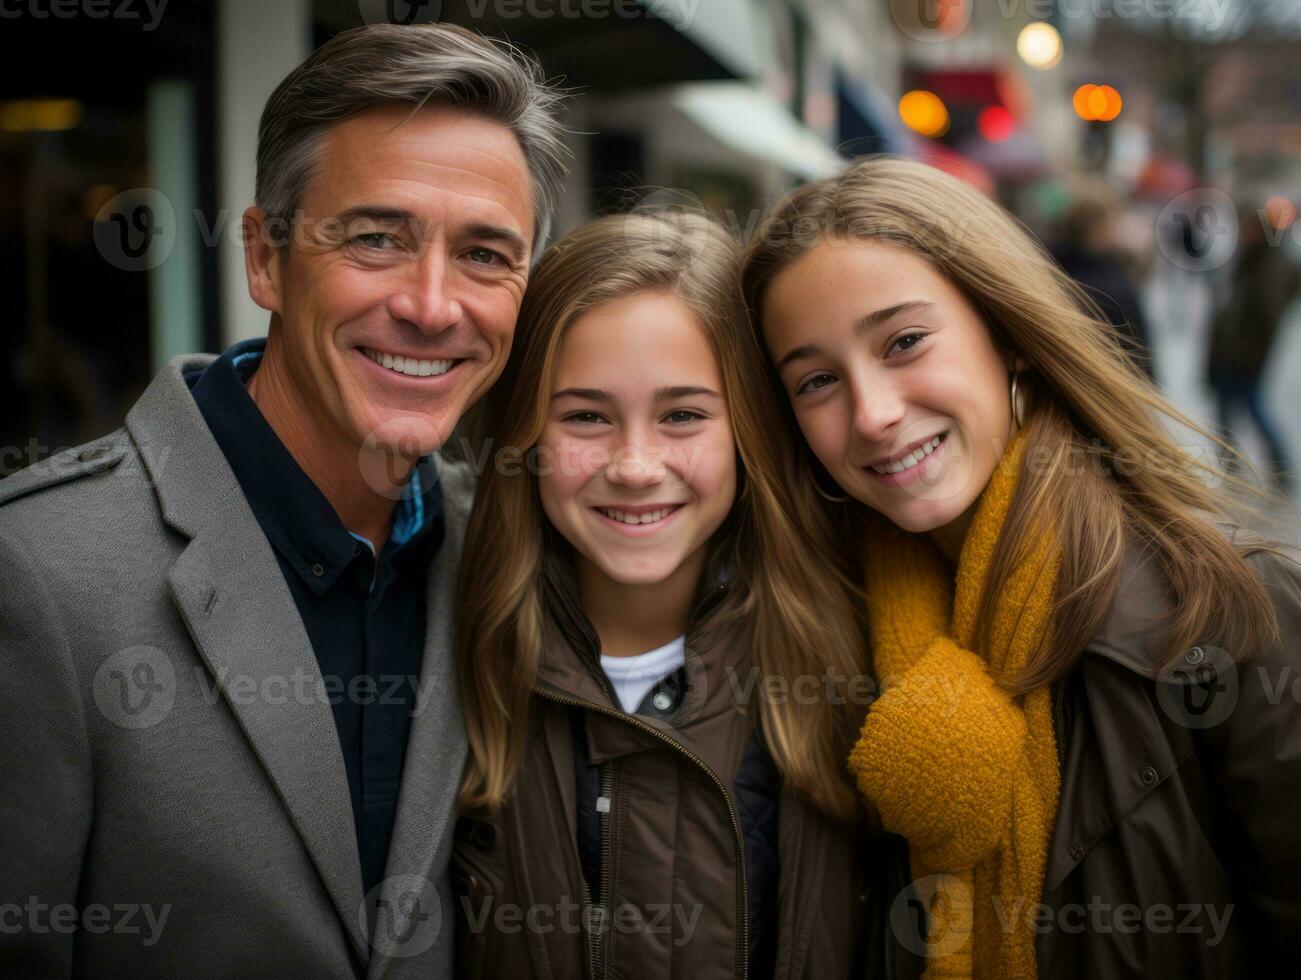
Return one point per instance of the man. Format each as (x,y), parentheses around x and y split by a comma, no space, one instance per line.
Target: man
(230,741)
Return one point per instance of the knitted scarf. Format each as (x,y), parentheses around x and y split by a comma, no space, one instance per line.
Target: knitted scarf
(966,773)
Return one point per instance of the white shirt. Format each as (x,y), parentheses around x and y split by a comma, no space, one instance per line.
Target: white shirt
(634,676)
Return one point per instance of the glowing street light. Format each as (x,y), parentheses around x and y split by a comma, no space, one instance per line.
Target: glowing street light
(1097,103)
(1039,45)
(995,123)
(924,112)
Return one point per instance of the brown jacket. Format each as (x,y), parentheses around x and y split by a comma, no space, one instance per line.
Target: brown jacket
(1176,849)
(673,843)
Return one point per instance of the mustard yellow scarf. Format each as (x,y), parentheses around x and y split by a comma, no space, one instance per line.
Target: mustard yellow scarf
(952,763)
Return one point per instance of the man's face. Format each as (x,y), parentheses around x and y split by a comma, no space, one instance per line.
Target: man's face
(398,293)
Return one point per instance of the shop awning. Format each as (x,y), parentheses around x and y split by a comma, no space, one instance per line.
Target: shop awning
(614,45)
(751,122)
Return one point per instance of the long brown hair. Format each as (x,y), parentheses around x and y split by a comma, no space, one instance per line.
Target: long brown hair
(791,605)
(1088,404)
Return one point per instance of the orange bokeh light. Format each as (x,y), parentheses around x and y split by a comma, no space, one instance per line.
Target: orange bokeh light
(924,112)
(1280,212)
(1100,103)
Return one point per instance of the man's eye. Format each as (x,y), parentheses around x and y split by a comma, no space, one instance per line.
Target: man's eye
(483,256)
(815,382)
(375,240)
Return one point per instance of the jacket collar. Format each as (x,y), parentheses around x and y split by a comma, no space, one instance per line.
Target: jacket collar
(570,661)
(1139,615)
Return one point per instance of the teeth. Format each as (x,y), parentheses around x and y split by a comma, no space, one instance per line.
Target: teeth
(408,365)
(912,459)
(648,518)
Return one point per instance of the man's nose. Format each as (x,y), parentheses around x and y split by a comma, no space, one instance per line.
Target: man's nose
(427,296)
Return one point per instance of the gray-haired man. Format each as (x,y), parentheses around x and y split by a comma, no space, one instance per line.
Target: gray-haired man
(230,742)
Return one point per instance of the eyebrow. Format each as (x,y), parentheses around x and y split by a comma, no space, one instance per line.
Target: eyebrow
(865,322)
(508,238)
(669,393)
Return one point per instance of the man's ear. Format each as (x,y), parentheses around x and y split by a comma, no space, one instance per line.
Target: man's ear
(262,262)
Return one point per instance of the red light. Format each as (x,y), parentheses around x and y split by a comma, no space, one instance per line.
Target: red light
(996,123)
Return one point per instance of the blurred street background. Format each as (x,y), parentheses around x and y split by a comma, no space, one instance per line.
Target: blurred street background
(1154,146)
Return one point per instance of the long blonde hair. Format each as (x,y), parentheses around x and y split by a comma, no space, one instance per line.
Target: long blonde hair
(792,606)
(1087,404)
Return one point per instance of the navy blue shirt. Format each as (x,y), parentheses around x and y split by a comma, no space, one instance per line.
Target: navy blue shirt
(364,612)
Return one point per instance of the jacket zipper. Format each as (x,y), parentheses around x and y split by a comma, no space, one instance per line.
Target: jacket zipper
(743,895)
(597,910)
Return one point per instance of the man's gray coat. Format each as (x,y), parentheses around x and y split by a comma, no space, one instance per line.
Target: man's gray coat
(173,800)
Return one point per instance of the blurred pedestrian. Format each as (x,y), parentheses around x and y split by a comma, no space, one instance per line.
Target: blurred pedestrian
(1088,251)
(1263,284)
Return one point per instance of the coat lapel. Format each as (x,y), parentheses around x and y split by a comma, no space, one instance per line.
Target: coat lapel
(229,590)
(249,634)
(436,748)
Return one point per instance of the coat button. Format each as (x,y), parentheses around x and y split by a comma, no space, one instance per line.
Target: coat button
(1195,656)
(661,701)
(318,569)
(1077,852)
(1148,775)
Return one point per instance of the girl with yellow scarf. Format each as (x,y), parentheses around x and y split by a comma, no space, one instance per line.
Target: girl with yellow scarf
(1079,734)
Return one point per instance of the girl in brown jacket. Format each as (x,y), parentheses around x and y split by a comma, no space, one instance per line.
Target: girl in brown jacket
(661,672)
(1088,734)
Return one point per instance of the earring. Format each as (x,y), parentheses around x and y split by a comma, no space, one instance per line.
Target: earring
(1018,401)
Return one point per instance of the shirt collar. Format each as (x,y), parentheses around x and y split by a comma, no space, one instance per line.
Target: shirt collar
(294,514)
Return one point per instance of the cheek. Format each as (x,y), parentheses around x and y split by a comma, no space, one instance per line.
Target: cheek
(709,468)
(565,466)
(825,427)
